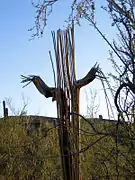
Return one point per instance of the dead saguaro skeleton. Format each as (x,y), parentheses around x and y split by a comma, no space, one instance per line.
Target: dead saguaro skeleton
(67,95)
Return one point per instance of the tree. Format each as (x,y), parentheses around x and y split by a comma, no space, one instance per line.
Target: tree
(44,9)
(122,14)
(93,104)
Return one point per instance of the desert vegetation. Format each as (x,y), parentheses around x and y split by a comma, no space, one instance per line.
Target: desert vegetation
(37,156)
(104,149)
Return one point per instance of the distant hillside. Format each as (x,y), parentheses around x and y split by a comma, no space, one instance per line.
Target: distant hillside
(34,119)
(53,120)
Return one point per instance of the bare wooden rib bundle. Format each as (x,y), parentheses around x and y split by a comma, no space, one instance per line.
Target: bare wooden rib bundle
(69,125)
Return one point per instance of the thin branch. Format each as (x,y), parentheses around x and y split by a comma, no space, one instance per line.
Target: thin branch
(53,68)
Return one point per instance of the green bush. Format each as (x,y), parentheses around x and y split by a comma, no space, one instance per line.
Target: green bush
(24,156)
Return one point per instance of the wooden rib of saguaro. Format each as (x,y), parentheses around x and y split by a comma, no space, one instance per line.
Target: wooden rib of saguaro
(75,93)
(63,131)
(68,125)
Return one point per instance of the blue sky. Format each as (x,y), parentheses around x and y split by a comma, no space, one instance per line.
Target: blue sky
(20,56)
